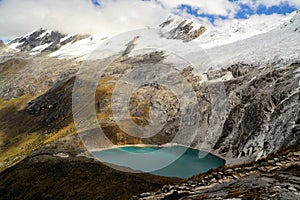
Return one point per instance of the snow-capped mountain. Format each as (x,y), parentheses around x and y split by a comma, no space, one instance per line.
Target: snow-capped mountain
(230,31)
(43,40)
(235,41)
(183,29)
(280,44)
(73,45)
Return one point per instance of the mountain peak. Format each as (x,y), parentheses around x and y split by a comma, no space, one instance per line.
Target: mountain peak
(43,40)
(181,29)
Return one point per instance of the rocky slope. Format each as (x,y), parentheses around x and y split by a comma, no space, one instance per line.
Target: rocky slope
(263,109)
(23,74)
(62,170)
(262,102)
(264,116)
(274,178)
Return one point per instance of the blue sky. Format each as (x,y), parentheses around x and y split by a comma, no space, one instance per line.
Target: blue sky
(244,12)
(245,9)
(283,9)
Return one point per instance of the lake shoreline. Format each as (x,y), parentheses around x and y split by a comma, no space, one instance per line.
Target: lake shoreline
(153,145)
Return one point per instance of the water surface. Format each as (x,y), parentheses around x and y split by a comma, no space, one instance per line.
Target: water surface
(190,163)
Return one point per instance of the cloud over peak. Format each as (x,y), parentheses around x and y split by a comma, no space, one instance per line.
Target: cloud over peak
(18,17)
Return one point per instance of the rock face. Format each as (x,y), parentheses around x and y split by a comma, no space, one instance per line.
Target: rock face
(181,29)
(2,44)
(53,105)
(264,111)
(22,74)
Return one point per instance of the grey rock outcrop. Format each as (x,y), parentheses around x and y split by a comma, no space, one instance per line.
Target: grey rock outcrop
(275,178)
(264,112)
(2,44)
(33,75)
(181,30)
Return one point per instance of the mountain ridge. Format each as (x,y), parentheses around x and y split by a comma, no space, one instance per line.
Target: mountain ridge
(210,39)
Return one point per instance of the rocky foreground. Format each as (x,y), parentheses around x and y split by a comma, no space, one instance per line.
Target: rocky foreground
(277,177)
(63,170)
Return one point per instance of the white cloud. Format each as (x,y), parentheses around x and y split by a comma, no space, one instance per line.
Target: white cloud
(18,17)
(270,3)
(213,7)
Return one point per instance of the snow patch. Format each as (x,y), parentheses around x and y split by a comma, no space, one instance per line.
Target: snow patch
(14,46)
(28,34)
(234,30)
(81,48)
(48,32)
(40,48)
(65,38)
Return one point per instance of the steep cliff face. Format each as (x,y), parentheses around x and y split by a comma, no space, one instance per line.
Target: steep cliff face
(264,112)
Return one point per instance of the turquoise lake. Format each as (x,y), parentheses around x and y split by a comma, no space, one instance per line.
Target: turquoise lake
(174,161)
